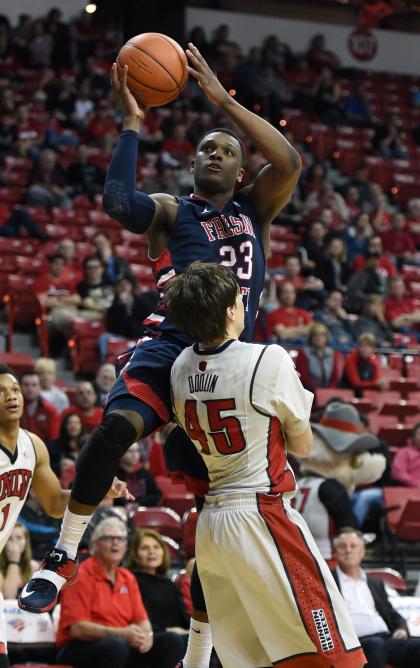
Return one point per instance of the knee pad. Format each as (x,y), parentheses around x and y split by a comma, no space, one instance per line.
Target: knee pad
(99,457)
(197,595)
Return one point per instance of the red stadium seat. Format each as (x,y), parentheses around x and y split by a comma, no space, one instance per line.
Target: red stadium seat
(164,520)
(175,496)
(189,525)
(390,577)
(19,362)
(395,436)
(30,266)
(324,394)
(24,310)
(396,498)
(116,347)
(83,345)
(408,527)
(400,408)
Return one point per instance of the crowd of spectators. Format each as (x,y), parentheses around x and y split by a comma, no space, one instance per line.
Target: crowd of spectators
(339,293)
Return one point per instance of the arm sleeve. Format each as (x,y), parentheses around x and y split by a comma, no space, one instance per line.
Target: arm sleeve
(336,500)
(133,209)
(277,390)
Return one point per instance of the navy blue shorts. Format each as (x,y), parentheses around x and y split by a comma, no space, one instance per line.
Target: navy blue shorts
(143,384)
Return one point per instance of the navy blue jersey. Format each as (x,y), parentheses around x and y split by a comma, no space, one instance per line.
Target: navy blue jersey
(232,237)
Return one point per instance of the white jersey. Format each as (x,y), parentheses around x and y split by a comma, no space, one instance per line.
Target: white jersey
(234,402)
(16,472)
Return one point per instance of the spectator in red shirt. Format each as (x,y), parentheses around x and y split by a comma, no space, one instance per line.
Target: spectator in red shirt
(103,621)
(400,310)
(318,56)
(372,12)
(397,241)
(85,407)
(385,263)
(362,368)
(288,323)
(39,415)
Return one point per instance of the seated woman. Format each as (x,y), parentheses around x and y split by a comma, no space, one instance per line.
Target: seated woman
(64,449)
(149,560)
(16,563)
(318,364)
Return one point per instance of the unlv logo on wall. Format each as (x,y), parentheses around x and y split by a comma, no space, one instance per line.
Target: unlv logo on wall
(363,44)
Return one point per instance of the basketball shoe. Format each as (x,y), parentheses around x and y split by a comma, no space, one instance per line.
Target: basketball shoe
(56,571)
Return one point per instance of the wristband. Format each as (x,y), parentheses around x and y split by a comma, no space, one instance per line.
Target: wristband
(16,563)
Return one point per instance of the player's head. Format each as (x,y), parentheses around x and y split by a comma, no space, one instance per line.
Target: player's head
(11,399)
(206,303)
(219,162)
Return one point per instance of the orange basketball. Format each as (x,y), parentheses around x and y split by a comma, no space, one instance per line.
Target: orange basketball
(157,68)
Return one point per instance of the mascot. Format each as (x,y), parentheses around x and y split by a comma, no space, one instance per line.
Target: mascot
(339,461)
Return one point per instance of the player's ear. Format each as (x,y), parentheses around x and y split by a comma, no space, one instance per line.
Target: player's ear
(240,175)
(192,165)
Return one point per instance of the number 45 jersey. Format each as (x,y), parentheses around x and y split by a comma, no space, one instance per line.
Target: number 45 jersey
(236,402)
(231,236)
(16,472)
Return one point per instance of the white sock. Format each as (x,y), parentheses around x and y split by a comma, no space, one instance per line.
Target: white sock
(199,645)
(72,529)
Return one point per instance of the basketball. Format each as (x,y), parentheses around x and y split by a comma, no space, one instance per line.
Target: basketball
(157,68)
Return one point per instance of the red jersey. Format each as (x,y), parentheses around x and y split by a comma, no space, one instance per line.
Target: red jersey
(397,242)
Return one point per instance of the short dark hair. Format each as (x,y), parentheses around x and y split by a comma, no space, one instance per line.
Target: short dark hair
(196,301)
(56,256)
(7,369)
(232,134)
(89,258)
(29,372)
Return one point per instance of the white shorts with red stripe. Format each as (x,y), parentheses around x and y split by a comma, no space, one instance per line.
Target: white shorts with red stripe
(270,596)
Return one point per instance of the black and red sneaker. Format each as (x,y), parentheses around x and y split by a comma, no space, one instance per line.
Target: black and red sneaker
(57,571)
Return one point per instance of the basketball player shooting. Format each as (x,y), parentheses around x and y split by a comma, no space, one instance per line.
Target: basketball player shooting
(213,225)
(270,596)
(24,462)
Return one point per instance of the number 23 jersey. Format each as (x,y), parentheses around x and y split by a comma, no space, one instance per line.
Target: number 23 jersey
(231,236)
(234,402)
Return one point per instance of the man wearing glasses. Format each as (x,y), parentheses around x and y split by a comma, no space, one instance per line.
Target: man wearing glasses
(382,631)
(103,621)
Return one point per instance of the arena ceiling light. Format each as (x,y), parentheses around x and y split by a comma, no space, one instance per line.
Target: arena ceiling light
(90,8)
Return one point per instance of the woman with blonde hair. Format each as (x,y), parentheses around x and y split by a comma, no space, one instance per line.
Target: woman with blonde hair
(318,364)
(149,560)
(16,563)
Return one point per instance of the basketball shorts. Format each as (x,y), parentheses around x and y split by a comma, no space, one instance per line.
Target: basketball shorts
(270,596)
(143,384)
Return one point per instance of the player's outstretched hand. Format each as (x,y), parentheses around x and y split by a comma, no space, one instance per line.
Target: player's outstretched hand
(207,80)
(119,490)
(131,106)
